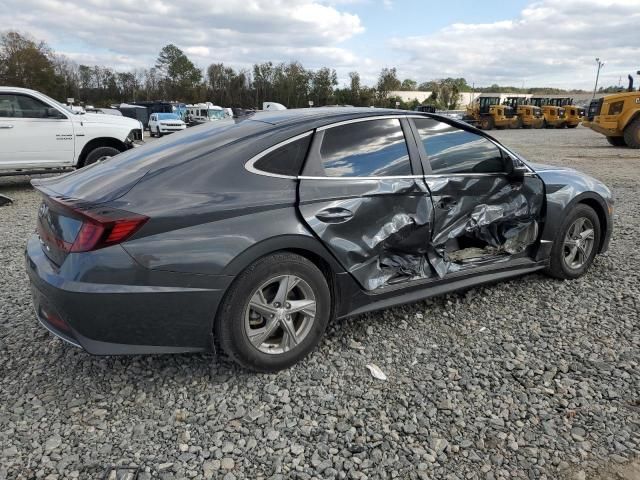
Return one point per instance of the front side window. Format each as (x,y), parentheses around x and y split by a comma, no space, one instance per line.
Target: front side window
(373,148)
(22,106)
(451,150)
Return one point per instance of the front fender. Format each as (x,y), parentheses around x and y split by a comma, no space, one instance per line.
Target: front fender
(563,190)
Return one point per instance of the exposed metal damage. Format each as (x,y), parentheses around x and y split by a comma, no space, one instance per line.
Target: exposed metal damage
(436,229)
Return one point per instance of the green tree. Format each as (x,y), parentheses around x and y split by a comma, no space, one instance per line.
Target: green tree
(354,88)
(409,85)
(387,82)
(322,83)
(179,74)
(27,63)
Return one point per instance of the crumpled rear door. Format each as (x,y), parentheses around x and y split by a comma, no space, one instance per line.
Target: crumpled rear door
(362,199)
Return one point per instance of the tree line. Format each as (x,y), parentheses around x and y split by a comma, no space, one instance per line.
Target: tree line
(26,62)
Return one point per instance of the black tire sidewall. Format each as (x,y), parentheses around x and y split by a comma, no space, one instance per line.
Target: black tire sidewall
(632,133)
(229,325)
(94,155)
(558,268)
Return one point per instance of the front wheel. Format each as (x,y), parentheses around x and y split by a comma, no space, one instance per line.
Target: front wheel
(99,154)
(576,244)
(274,313)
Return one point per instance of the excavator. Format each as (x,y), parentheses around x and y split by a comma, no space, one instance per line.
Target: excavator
(529,116)
(487,114)
(617,117)
(572,113)
(553,115)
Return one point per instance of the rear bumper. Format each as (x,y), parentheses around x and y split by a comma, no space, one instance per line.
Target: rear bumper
(156,313)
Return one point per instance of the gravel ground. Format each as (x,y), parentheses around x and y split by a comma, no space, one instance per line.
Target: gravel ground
(532,378)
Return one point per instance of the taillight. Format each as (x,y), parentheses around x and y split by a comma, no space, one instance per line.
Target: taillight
(101,226)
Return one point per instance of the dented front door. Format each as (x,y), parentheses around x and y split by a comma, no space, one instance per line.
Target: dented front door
(361,196)
(482,214)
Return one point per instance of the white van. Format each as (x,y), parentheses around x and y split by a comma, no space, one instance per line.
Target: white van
(204,112)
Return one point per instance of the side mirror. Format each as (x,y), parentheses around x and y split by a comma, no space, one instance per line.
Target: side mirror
(54,113)
(518,169)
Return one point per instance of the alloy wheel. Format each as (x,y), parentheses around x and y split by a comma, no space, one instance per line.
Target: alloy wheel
(280,314)
(578,243)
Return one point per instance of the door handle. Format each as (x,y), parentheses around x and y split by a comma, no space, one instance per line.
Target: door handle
(334,215)
(447,203)
(6,126)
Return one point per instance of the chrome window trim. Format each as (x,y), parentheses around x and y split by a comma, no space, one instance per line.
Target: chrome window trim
(391,177)
(366,119)
(249,165)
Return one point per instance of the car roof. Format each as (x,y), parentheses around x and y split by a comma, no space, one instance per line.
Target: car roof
(6,88)
(313,115)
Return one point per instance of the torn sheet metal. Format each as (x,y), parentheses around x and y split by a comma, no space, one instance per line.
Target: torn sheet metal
(388,231)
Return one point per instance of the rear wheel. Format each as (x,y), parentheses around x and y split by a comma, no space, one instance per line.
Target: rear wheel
(99,154)
(632,134)
(617,141)
(576,244)
(274,313)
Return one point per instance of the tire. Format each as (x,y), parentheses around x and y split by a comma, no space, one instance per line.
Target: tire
(632,133)
(487,123)
(559,267)
(99,154)
(234,320)
(158,133)
(151,133)
(517,124)
(617,141)
(572,125)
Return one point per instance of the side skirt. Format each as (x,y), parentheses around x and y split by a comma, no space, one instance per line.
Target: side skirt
(432,289)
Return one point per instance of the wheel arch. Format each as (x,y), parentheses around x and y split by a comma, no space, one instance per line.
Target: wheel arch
(99,142)
(597,204)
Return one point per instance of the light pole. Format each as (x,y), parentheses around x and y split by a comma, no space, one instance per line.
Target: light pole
(600,65)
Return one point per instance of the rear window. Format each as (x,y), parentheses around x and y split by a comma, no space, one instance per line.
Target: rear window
(285,160)
(372,148)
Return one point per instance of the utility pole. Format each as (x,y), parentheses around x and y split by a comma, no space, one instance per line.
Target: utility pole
(600,65)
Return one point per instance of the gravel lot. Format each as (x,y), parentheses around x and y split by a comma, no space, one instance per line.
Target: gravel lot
(532,378)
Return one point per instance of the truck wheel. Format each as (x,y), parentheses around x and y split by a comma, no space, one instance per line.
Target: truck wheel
(617,141)
(632,134)
(487,123)
(99,154)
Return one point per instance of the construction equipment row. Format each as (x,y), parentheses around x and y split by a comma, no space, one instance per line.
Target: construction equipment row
(487,113)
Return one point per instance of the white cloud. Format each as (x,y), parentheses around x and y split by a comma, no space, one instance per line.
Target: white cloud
(232,31)
(551,43)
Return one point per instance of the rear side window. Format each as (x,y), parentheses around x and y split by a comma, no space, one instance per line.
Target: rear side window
(285,160)
(451,150)
(373,148)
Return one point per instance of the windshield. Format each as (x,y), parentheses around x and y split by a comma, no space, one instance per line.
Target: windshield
(65,107)
(168,116)
(216,114)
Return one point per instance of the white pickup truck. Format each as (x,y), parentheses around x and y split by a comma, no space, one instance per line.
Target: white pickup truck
(39,134)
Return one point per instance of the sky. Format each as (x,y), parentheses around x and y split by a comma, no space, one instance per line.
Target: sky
(527,43)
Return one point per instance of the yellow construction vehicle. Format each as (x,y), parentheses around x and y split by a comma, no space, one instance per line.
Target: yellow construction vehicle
(487,113)
(529,116)
(572,113)
(553,115)
(617,117)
